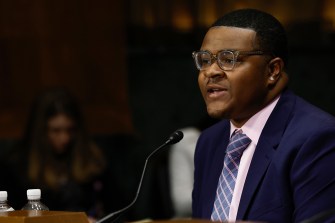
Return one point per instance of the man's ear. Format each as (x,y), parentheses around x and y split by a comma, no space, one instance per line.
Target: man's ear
(275,70)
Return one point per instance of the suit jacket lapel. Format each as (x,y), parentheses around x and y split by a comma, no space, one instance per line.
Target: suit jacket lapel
(260,162)
(216,169)
(265,150)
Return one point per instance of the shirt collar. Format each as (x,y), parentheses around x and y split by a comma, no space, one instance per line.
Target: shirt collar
(254,126)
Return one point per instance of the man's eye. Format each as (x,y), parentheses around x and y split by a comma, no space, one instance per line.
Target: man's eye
(227,60)
(206,61)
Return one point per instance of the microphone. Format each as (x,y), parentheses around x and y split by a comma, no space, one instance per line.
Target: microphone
(173,139)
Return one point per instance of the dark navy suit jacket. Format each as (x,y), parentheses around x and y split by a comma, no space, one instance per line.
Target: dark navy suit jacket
(292,173)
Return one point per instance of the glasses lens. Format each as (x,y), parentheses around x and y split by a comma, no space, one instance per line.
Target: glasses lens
(202,59)
(226,60)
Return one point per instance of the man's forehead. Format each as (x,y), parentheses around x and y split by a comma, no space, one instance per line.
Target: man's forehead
(229,38)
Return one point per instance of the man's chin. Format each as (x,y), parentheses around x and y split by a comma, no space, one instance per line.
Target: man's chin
(215,113)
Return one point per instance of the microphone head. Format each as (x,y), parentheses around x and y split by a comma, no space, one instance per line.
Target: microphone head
(175,137)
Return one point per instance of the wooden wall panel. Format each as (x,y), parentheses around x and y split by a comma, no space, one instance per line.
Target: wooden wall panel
(79,44)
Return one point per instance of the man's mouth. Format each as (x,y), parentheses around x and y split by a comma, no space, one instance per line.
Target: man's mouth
(213,90)
(216,92)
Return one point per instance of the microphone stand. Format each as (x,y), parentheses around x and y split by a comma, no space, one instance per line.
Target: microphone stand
(174,138)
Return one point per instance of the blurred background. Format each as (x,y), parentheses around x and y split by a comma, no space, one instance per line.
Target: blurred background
(129,63)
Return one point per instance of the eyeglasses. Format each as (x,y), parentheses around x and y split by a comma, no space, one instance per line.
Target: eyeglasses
(226,59)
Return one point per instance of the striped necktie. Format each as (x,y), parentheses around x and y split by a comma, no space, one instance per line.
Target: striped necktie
(237,144)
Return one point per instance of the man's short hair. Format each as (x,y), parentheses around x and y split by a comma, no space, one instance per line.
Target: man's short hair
(270,33)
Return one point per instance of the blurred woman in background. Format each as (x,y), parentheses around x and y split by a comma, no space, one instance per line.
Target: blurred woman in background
(57,155)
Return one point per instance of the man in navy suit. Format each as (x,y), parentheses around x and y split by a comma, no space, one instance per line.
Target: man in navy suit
(287,172)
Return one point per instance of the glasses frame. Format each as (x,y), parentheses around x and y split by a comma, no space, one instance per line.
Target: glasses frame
(214,57)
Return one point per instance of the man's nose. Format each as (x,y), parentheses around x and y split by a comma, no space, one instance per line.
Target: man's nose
(213,71)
